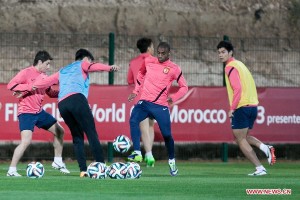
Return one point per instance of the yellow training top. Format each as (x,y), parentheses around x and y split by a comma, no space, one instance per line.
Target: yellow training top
(249,93)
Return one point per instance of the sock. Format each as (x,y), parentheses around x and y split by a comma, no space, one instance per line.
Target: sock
(264,148)
(138,152)
(171,160)
(12,169)
(58,159)
(260,168)
(148,154)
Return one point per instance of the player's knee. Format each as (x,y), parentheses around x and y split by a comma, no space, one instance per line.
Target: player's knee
(59,130)
(25,143)
(168,138)
(133,122)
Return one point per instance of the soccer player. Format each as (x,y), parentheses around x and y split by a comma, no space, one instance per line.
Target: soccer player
(145,46)
(157,75)
(243,102)
(73,106)
(31,114)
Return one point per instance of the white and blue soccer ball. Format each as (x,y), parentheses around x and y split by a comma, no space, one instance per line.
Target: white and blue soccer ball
(134,170)
(122,143)
(97,170)
(117,170)
(35,170)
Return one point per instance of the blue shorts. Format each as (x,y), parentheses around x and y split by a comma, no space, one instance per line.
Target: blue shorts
(43,120)
(244,117)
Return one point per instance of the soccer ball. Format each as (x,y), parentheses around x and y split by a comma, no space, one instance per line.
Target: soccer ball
(121,144)
(117,170)
(133,170)
(35,170)
(96,170)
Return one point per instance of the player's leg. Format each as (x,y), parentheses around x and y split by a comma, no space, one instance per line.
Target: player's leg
(138,114)
(242,120)
(151,131)
(84,117)
(65,109)
(267,149)
(144,127)
(26,137)
(58,132)
(162,116)
(146,135)
(49,123)
(26,125)
(240,136)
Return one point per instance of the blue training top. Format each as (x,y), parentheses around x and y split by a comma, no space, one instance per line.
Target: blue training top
(71,81)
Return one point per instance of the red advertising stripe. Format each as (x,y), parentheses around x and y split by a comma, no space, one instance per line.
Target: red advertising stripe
(201,116)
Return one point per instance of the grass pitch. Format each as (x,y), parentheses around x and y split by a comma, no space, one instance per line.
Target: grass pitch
(196,180)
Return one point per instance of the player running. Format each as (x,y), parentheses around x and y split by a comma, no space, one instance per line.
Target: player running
(243,102)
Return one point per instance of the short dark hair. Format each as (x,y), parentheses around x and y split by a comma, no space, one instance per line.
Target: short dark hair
(143,44)
(81,53)
(164,45)
(225,44)
(42,56)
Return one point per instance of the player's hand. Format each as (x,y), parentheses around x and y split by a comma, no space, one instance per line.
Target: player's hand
(17,94)
(230,113)
(170,101)
(114,68)
(131,97)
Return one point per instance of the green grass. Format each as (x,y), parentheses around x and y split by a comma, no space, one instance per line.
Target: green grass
(196,180)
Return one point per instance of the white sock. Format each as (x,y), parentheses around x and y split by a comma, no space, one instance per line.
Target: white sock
(260,168)
(148,154)
(138,152)
(171,160)
(264,148)
(12,169)
(58,159)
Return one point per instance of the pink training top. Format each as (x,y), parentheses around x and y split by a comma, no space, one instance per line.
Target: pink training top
(157,79)
(134,66)
(31,101)
(86,68)
(235,83)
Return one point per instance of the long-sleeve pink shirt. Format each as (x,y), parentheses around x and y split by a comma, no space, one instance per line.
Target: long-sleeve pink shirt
(31,101)
(157,79)
(235,83)
(134,67)
(86,68)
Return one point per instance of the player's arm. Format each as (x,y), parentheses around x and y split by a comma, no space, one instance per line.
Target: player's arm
(140,78)
(19,83)
(183,88)
(130,78)
(235,82)
(47,81)
(96,67)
